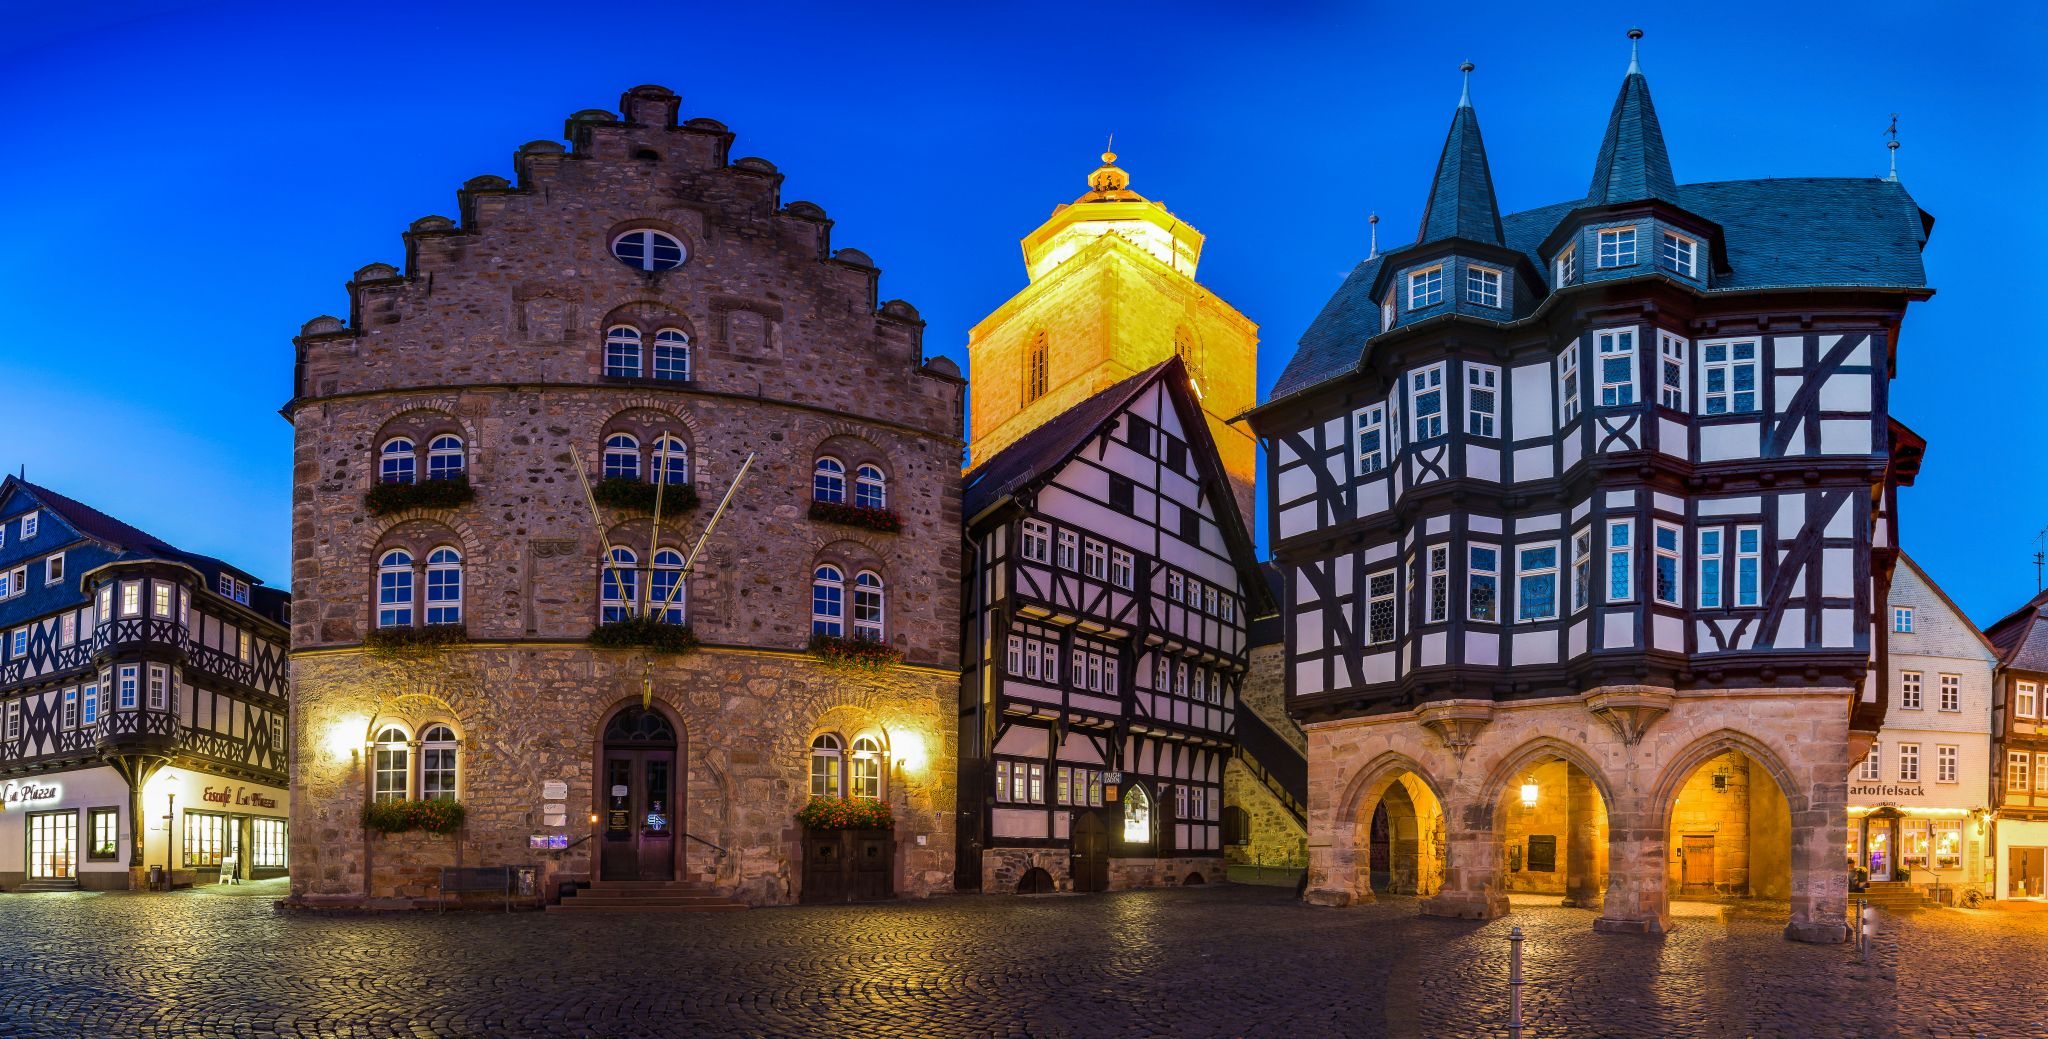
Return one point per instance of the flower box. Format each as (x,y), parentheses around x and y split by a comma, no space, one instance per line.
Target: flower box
(403,641)
(386,498)
(618,492)
(431,816)
(845,813)
(883,520)
(644,632)
(862,654)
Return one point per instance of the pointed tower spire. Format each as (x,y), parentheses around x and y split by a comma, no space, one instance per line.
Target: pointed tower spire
(1633,164)
(1461,202)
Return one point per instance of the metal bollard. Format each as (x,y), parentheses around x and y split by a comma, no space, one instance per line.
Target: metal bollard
(1515,982)
(1863,929)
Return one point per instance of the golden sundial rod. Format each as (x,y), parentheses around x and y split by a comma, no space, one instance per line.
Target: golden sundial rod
(596,522)
(654,530)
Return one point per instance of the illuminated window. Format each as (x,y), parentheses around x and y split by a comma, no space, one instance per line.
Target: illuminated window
(649,250)
(397,463)
(825,761)
(444,457)
(621,457)
(1137,816)
(619,586)
(2023,699)
(103,834)
(207,838)
(864,772)
(159,599)
(269,837)
(438,750)
(870,487)
(622,352)
(828,601)
(867,606)
(444,586)
(394,589)
(828,481)
(671,355)
(391,765)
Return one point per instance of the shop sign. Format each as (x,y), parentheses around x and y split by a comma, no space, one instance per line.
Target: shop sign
(239,795)
(1886,790)
(14,794)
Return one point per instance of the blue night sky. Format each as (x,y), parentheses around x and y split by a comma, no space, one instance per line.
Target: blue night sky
(192,181)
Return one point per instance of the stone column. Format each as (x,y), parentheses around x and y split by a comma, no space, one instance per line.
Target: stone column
(1472,889)
(1820,886)
(1636,849)
(1581,887)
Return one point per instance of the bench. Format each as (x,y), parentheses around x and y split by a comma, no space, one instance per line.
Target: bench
(459,880)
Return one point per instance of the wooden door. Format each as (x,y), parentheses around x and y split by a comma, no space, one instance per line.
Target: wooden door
(638,785)
(1090,853)
(1698,864)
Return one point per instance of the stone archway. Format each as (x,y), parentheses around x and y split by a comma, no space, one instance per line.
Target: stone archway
(1548,808)
(1413,798)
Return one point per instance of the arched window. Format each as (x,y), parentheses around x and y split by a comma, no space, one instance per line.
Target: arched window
(444,586)
(394,589)
(444,457)
(828,481)
(825,762)
(619,585)
(671,355)
(867,606)
(1035,374)
(828,601)
(669,461)
(870,488)
(1137,816)
(437,764)
(621,457)
(864,772)
(391,764)
(397,462)
(648,250)
(661,581)
(622,351)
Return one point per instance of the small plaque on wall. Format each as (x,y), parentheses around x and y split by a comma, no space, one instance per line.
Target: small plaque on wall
(554,790)
(1542,853)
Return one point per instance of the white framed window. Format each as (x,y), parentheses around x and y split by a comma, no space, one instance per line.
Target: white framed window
(1067,550)
(828,481)
(394,589)
(2016,762)
(1951,692)
(1174,583)
(1873,764)
(1162,674)
(67,629)
(159,687)
(444,586)
(1565,268)
(870,487)
(1909,690)
(159,599)
(618,586)
(391,765)
(7,589)
(827,753)
(828,601)
(397,462)
(867,606)
(20,644)
(70,716)
(1568,384)
(1680,254)
(1122,568)
(53,569)
(438,763)
(131,598)
(1426,403)
(622,352)
(1945,764)
(2023,699)
(1094,559)
(1621,560)
(242,646)
(1710,549)
(671,355)
(1667,554)
(1749,565)
(1379,622)
(1035,541)
(1369,436)
(13,720)
(1482,286)
(1582,568)
(1180,679)
(1049,657)
(1033,658)
(1209,599)
(89,704)
(1902,619)
(1909,762)
(1482,583)
(1482,400)
(1728,377)
(1617,367)
(1671,371)
(1229,605)
(1618,247)
(1003,777)
(130,676)
(1387,311)
(31,521)
(1015,655)
(1426,287)
(649,250)
(621,457)
(1439,583)
(1536,583)
(444,457)
(668,461)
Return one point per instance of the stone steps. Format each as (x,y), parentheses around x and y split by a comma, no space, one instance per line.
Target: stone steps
(647,896)
(48,885)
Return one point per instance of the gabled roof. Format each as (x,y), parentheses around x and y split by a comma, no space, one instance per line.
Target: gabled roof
(1941,595)
(1040,454)
(1633,165)
(1461,202)
(131,542)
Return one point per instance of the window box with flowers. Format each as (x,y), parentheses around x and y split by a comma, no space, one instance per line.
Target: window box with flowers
(849,850)
(436,816)
(645,632)
(865,517)
(408,641)
(447,492)
(620,492)
(858,653)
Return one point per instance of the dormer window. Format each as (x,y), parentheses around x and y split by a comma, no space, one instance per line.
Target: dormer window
(1426,288)
(1681,255)
(1482,286)
(1567,266)
(1618,247)
(1387,311)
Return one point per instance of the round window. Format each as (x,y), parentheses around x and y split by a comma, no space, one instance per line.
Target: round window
(646,250)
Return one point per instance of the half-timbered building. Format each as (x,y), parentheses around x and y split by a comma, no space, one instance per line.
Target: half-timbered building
(2019,753)
(1587,514)
(144,695)
(1110,584)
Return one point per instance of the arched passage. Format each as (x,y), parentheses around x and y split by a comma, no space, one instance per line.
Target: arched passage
(1390,836)
(1550,826)
(1728,832)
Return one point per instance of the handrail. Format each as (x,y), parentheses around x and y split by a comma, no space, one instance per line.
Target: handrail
(1910,870)
(705,843)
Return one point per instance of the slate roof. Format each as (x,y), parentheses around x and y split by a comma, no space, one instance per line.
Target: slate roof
(1633,164)
(1461,202)
(1044,448)
(1792,232)
(2021,637)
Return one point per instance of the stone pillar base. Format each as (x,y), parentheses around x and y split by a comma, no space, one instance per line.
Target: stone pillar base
(1818,932)
(1582,903)
(1653,925)
(1465,906)
(1330,896)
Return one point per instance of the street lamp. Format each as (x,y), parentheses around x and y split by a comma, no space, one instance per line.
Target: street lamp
(170,779)
(1529,792)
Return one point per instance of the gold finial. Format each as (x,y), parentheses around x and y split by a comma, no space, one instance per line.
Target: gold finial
(1107,178)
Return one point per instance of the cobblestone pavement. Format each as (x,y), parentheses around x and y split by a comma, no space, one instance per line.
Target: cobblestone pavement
(1225,961)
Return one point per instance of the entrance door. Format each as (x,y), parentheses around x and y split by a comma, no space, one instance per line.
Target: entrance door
(1880,861)
(638,789)
(1380,849)
(2024,872)
(1698,864)
(53,845)
(1091,853)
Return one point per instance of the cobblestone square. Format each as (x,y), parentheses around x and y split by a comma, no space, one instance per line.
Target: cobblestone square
(1225,961)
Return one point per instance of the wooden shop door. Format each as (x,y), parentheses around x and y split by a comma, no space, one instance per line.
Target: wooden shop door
(1090,853)
(1698,864)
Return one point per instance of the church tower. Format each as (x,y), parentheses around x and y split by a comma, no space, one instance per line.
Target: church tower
(1112,293)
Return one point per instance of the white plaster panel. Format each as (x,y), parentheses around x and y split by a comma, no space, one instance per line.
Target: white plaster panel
(1791,633)
(1482,463)
(1723,441)
(1304,592)
(1746,505)
(1080,749)
(1372,497)
(1544,521)
(1535,647)
(1380,553)
(1837,573)
(1789,351)
(1308,631)
(1333,431)
(1340,673)
(1435,647)
(1580,510)
(1570,450)
(1839,436)
(1670,503)
(1667,633)
(1287,453)
(1838,628)
(1024,741)
(1298,519)
(1482,647)
(1533,463)
(1308,677)
(1062,823)
(1483,524)
(1530,401)
(1437,525)
(1621,499)
(1860,353)
(1791,513)
(1297,483)
(1575,638)
(1377,667)
(1341,575)
(1617,629)
(1843,523)
(1673,438)
(1338,467)
(1846,391)
(1017,822)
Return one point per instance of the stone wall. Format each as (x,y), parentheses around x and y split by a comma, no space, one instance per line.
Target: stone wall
(1002,869)
(1265,692)
(1126,874)
(1276,838)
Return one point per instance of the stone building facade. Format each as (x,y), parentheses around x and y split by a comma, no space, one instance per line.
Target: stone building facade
(644,307)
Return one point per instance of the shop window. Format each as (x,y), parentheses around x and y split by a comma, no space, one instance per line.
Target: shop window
(103,834)
(269,837)
(208,839)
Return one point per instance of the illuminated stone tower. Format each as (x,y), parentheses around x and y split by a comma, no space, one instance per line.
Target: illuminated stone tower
(1112,293)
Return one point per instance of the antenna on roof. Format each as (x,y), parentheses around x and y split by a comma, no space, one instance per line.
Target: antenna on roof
(1635,37)
(1373,222)
(1892,132)
(2040,556)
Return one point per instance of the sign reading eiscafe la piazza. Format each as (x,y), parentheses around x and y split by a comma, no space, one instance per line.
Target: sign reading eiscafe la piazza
(241,795)
(27,793)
